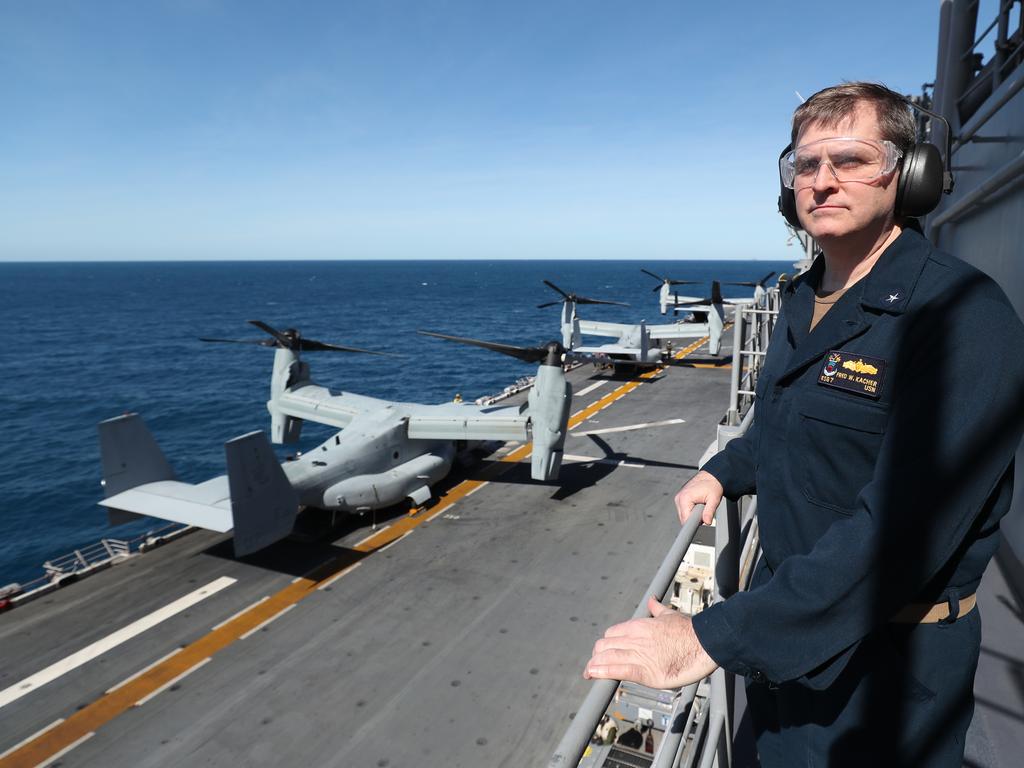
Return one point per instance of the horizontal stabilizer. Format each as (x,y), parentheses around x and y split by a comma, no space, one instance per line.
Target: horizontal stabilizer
(204,506)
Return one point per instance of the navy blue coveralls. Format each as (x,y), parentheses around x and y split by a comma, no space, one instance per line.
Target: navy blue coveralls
(879,493)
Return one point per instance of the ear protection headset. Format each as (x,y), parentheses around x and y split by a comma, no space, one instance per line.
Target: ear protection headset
(923,179)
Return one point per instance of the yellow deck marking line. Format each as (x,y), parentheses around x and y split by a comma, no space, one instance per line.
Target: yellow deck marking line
(77,742)
(144,670)
(343,572)
(35,735)
(153,694)
(265,622)
(48,745)
(234,616)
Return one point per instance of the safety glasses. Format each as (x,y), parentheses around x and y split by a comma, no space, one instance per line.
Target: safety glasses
(848,158)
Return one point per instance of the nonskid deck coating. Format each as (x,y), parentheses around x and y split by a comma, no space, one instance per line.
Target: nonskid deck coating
(461,644)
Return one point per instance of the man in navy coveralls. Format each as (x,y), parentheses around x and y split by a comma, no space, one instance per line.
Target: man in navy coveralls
(887,417)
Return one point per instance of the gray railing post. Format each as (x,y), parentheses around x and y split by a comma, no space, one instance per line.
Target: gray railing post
(732,417)
(675,734)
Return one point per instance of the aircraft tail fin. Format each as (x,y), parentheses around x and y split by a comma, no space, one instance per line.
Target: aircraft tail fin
(263,503)
(550,401)
(130,456)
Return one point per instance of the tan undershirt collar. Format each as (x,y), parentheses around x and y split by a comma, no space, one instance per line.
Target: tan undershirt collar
(823,303)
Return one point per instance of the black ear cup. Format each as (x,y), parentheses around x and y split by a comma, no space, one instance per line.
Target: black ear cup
(920,184)
(787,197)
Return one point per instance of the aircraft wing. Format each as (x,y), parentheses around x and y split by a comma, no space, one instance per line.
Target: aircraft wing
(678,331)
(596,328)
(451,421)
(319,404)
(609,349)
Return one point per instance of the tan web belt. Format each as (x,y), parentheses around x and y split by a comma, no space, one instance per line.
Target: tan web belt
(923,613)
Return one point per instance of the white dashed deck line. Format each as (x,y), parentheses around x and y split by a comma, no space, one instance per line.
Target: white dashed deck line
(33,737)
(262,624)
(629,428)
(338,575)
(172,681)
(591,388)
(54,758)
(144,670)
(234,616)
(372,535)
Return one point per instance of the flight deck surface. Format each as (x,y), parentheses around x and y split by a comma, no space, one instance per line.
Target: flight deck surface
(453,637)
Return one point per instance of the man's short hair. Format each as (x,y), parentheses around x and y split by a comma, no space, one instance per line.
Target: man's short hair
(831,106)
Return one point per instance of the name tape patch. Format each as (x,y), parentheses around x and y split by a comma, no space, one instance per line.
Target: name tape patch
(855,373)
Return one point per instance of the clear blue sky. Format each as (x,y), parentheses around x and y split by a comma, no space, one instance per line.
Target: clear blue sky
(240,129)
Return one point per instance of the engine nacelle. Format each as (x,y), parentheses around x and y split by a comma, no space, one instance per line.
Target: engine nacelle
(570,325)
(289,370)
(550,400)
(716,323)
(386,488)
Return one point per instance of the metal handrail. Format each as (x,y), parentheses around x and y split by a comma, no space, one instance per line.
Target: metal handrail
(574,743)
(733,556)
(90,558)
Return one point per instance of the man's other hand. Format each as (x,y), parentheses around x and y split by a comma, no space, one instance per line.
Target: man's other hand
(660,652)
(703,488)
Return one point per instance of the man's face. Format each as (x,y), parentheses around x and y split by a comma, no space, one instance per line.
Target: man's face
(829,209)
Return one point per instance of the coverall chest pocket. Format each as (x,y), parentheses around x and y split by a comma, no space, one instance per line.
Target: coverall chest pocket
(837,442)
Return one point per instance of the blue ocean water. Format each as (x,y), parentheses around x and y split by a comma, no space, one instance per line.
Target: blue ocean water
(87,341)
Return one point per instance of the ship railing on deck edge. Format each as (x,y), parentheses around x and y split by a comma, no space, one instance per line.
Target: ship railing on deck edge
(68,568)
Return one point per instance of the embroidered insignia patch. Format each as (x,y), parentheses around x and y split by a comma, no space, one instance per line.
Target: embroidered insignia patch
(859,374)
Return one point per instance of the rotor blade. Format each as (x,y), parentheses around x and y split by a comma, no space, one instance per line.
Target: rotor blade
(283,340)
(554,287)
(765,279)
(584,300)
(261,342)
(656,277)
(311,345)
(549,304)
(741,282)
(526,354)
(685,282)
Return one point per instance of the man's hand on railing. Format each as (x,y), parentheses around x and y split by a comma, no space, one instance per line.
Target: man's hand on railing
(703,488)
(659,652)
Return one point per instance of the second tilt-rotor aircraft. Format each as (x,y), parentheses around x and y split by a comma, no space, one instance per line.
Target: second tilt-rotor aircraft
(636,344)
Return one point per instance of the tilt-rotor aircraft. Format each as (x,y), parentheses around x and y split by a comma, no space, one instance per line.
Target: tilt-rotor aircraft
(667,299)
(385,452)
(636,344)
